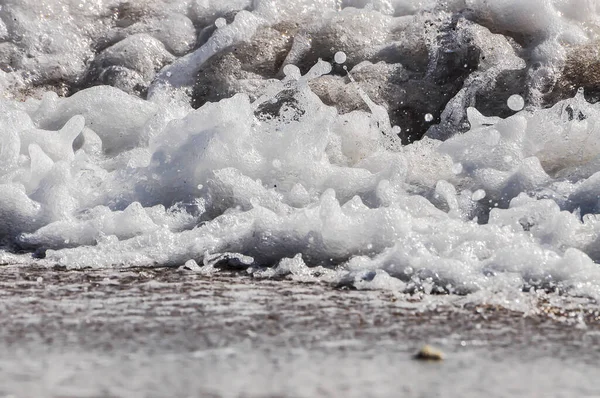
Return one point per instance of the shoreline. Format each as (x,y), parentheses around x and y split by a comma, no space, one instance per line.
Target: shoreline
(125,326)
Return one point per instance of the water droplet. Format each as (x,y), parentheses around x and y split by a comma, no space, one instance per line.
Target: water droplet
(515,102)
(478,195)
(220,22)
(457,168)
(339,57)
(428,117)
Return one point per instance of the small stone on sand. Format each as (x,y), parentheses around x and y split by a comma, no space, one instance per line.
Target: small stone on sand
(428,353)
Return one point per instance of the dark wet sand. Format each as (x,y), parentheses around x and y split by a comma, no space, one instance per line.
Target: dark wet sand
(165,332)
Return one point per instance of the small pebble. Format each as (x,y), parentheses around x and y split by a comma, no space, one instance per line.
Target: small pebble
(428,353)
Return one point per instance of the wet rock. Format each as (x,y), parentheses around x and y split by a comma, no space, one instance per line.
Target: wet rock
(175,31)
(124,78)
(408,44)
(128,13)
(242,68)
(437,62)
(222,77)
(581,70)
(129,65)
(500,73)
(492,100)
(412,66)
(407,98)
(205,12)
(359,33)
(422,77)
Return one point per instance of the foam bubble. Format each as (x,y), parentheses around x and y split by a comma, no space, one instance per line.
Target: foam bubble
(457,168)
(220,23)
(478,195)
(292,71)
(428,117)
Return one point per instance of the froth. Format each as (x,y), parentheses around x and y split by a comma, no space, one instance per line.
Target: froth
(278,178)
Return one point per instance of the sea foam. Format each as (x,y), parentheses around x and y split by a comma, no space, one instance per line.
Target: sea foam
(277,178)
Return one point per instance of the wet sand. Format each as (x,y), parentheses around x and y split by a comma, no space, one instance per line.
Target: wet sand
(168,332)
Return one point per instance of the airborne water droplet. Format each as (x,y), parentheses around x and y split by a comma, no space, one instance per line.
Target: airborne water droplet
(478,195)
(457,168)
(515,102)
(339,57)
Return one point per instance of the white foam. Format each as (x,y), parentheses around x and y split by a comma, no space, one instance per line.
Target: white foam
(326,186)
(103,178)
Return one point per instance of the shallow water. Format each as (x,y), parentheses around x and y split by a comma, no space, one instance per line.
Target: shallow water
(152,333)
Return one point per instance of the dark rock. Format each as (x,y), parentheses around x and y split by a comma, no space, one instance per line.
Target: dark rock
(250,62)
(492,100)
(581,70)
(409,75)
(128,13)
(358,33)
(500,73)
(204,13)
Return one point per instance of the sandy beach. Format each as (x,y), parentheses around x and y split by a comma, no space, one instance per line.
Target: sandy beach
(168,332)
